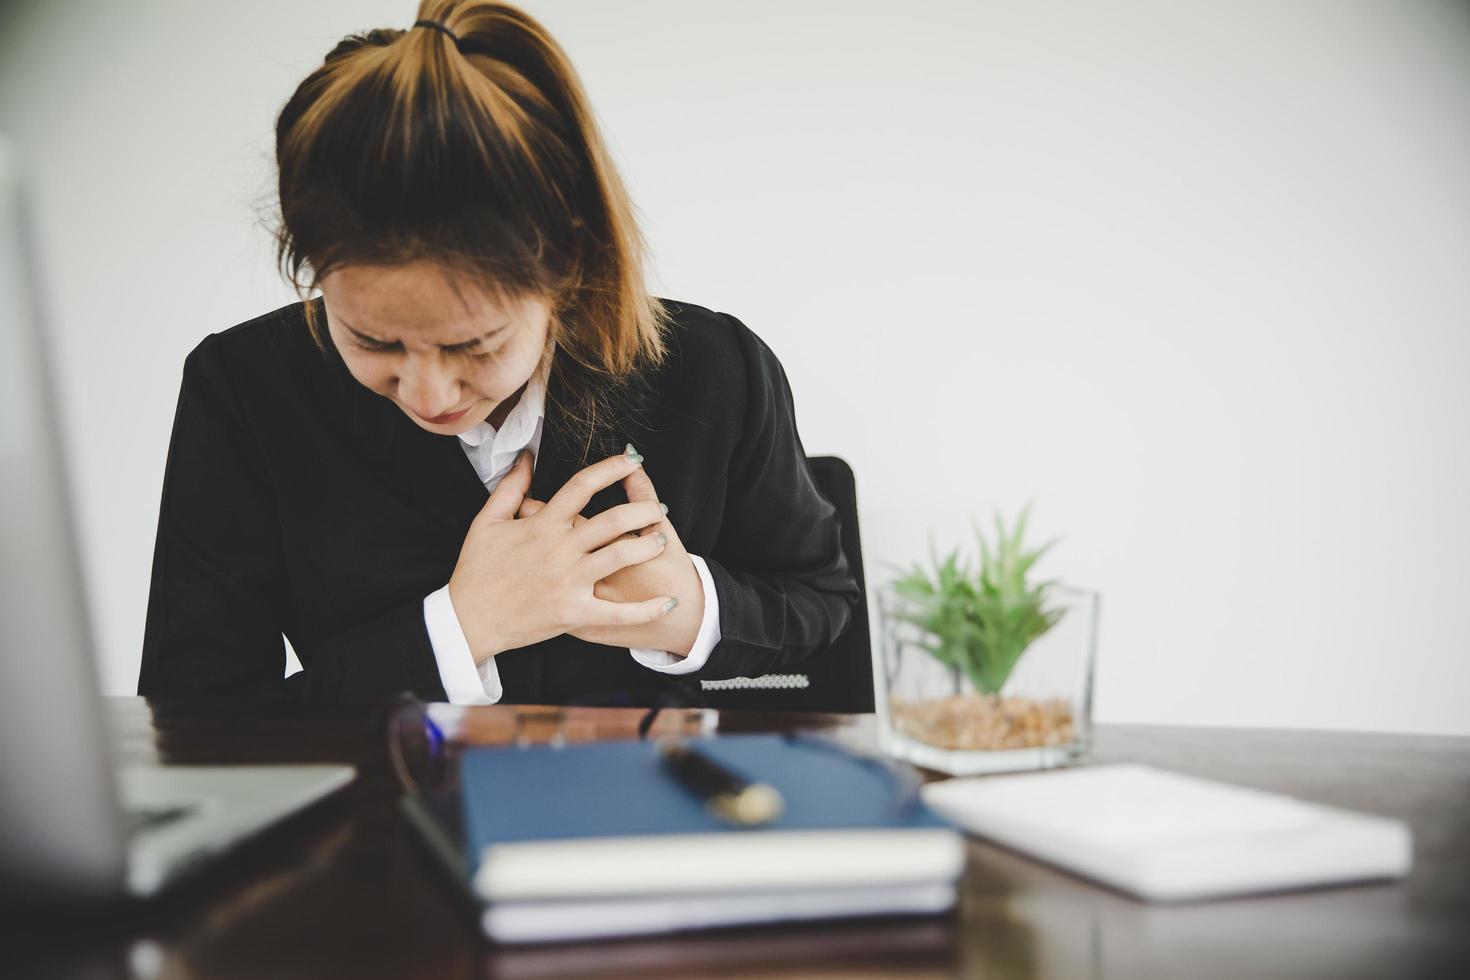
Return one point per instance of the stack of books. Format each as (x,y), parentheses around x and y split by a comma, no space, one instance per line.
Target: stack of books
(600,840)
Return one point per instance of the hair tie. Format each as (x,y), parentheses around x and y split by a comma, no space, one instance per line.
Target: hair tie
(438,27)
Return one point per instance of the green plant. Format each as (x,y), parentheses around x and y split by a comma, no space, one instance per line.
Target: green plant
(982,624)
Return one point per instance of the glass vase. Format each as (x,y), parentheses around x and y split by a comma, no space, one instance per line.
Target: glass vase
(932,714)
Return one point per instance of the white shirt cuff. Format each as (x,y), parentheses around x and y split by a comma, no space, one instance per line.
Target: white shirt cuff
(463,681)
(704,642)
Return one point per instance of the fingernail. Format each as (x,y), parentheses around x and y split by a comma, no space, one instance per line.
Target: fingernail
(632,453)
(663,507)
(670,604)
(662,537)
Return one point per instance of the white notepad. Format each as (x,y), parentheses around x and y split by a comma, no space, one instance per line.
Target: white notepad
(1165,836)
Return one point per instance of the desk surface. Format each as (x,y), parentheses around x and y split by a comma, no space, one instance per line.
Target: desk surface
(346,889)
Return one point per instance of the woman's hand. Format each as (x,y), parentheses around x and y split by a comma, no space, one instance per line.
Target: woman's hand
(669,572)
(519,582)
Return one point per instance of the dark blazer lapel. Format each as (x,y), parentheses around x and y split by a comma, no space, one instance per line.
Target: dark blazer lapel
(434,473)
(559,459)
(555,460)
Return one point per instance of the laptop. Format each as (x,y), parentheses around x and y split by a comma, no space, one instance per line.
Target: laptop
(73,825)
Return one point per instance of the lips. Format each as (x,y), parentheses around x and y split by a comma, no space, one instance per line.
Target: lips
(452,417)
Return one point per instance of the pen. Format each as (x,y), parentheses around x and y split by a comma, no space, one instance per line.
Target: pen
(725,794)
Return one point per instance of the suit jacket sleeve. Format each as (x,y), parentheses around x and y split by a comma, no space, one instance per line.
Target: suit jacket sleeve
(217,603)
(784,586)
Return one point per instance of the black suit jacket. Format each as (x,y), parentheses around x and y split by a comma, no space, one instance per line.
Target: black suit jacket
(297,501)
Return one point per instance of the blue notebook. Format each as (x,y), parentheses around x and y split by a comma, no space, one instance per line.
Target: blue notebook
(605,820)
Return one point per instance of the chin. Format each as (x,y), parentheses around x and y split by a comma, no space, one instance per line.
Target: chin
(472,417)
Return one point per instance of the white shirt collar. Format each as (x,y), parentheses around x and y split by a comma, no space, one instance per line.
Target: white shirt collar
(519,426)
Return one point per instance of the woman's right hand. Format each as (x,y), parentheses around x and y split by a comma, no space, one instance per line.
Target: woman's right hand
(522,581)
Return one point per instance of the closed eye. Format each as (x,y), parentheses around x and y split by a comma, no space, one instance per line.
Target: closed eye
(383,348)
(365,342)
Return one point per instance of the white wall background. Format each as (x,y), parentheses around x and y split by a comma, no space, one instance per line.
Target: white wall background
(1195,276)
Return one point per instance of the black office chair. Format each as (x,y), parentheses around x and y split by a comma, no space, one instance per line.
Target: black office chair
(839,679)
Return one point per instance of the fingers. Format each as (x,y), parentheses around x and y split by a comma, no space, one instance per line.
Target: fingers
(616,522)
(604,613)
(620,554)
(512,487)
(530,506)
(639,486)
(575,494)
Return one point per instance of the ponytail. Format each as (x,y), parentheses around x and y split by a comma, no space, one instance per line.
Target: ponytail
(481,154)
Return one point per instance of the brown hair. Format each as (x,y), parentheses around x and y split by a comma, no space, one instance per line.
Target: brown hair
(483,156)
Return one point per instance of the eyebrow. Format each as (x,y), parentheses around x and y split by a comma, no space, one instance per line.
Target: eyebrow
(465,345)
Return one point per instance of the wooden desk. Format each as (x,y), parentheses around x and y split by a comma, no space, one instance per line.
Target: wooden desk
(345,890)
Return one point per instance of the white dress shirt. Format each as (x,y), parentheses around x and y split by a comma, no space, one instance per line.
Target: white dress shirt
(492,453)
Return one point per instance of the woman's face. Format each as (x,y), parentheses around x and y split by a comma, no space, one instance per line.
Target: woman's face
(449,358)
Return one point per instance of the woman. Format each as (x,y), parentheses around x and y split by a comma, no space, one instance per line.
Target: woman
(426,476)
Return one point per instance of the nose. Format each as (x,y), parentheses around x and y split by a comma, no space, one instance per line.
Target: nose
(429,386)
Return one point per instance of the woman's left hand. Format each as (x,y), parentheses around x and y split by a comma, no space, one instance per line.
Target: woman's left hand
(670,573)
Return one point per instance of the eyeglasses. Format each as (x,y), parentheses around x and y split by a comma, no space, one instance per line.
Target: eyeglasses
(421,756)
(416,746)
